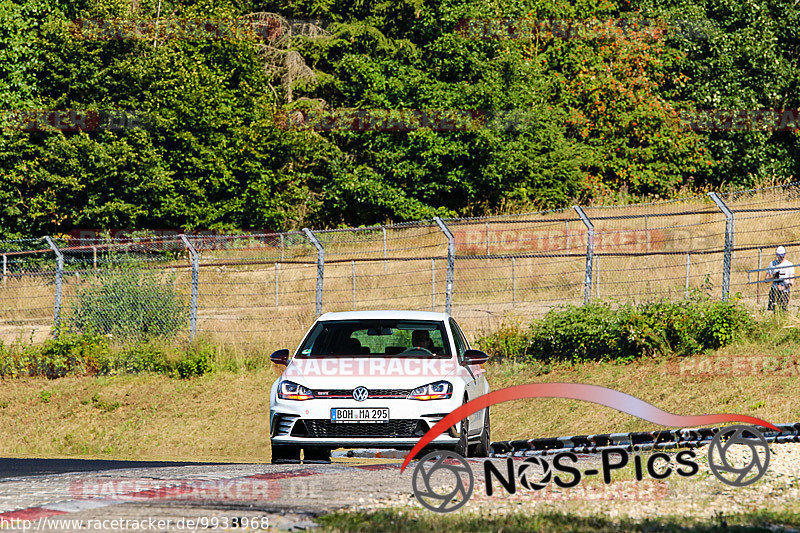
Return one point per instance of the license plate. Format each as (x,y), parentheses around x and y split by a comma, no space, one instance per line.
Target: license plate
(360,414)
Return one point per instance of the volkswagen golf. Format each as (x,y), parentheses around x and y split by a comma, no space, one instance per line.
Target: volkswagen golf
(376,379)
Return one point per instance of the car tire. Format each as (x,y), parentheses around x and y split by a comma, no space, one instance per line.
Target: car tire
(462,448)
(484,446)
(285,455)
(316,455)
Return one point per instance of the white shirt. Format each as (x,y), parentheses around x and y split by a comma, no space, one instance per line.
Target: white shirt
(784,269)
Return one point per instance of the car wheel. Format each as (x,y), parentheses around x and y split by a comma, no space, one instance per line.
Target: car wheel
(462,448)
(285,454)
(316,455)
(483,447)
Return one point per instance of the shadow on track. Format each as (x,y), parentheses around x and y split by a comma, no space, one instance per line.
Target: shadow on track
(12,467)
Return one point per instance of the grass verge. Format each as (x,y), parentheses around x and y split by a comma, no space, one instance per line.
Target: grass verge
(223,415)
(399,520)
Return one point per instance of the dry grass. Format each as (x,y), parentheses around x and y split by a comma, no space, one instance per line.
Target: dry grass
(693,391)
(224,415)
(220,416)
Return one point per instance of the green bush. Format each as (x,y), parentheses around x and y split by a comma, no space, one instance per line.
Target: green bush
(135,360)
(509,342)
(70,353)
(578,333)
(129,304)
(195,364)
(723,323)
(89,354)
(596,331)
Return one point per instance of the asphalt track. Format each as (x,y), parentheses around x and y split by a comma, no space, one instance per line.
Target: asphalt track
(86,495)
(13,467)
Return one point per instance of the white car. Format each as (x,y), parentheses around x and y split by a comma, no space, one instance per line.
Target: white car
(376,379)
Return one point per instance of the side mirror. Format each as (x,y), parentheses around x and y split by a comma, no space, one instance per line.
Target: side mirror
(475,357)
(280,357)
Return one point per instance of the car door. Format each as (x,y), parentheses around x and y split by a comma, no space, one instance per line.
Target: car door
(474,375)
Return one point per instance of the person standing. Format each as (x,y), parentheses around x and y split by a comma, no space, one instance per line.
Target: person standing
(782,271)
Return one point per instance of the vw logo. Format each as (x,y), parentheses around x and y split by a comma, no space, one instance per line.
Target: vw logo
(360,394)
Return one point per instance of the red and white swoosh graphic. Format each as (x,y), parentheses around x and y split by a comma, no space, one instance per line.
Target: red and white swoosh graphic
(578,391)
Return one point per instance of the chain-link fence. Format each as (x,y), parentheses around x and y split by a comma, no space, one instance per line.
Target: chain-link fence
(258,291)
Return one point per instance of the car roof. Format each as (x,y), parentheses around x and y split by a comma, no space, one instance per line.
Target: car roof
(386,314)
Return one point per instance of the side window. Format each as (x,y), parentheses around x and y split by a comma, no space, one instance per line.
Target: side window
(458,338)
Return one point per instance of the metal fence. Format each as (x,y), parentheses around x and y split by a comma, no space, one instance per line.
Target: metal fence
(263,290)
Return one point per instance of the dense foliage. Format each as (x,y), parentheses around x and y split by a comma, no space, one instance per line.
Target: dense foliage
(129,305)
(601,114)
(90,354)
(596,332)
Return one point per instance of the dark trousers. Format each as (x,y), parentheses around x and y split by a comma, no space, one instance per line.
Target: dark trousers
(778,298)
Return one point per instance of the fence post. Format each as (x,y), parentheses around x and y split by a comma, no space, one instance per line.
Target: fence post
(513,282)
(433,284)
(729,234)
(276,284)
(5,268)
(688,266)
(385,252)
(451,264)
(596,273)
(758,285)
(587,284)
(320,267)
(283,247)
(59,285)
(195,286)
(354,285)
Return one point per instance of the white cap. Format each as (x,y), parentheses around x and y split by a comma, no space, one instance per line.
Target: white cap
(780,250)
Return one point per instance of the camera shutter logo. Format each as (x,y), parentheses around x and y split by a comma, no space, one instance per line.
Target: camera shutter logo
(527,474)
(731,447)
(450,474)
(360,394)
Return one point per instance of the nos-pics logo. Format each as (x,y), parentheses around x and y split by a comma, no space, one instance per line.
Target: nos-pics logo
(440,469)
(443,481)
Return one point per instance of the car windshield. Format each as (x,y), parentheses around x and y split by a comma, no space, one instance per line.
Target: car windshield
(376,338)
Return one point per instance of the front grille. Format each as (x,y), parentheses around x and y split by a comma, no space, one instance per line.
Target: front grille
(373,393)
(393,428)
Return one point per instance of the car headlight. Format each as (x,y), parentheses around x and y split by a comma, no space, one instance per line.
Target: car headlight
(441,390)
(289,390)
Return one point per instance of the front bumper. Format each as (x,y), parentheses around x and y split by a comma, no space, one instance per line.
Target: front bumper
(307,423)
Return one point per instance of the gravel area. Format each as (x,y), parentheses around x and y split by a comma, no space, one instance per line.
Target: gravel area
(291,496)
